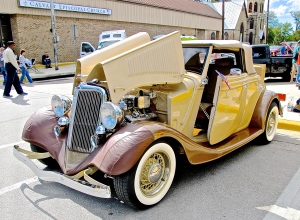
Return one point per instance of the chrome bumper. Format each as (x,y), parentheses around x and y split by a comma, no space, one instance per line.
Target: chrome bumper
(98,190)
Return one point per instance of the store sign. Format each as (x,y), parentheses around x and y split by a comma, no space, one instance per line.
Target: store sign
(64,7)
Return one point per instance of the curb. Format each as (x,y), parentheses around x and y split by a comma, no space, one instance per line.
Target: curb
(289,125)
(38,77)
(38,65)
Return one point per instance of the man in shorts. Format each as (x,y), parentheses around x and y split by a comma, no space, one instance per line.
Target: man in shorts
(294,65)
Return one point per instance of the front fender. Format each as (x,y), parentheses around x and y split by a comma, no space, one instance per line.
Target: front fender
(38,130)
(261,109)
(121,152)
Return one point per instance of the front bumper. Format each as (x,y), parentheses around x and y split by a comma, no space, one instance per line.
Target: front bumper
(92,187)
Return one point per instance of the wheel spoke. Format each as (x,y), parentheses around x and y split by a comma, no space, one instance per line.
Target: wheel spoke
(154,174)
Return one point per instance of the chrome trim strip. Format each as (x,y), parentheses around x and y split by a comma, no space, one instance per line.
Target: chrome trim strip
(104,95)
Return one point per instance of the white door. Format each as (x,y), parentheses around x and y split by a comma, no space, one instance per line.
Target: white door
(86,48)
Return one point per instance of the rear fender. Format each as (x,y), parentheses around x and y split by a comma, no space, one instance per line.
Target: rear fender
(260,112)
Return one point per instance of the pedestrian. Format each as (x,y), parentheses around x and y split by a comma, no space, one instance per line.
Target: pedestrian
(11,67)
(296,59)
(23,67)
(2,68)
(46,60)
(294,67)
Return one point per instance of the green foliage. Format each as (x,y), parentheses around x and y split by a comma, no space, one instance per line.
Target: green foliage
(281,33)
(296,35)
(287,31)
(271,36)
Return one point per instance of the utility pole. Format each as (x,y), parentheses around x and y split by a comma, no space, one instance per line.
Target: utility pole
(267,29)
(223,18)
(54,37)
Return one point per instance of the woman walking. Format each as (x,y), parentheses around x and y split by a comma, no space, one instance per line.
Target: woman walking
(23,67)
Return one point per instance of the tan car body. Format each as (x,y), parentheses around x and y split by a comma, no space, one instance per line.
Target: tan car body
(238,114)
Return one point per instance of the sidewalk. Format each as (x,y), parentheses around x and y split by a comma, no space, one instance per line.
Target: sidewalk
(64,69)
(289,121)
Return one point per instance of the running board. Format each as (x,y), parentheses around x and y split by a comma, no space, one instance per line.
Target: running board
(98,190)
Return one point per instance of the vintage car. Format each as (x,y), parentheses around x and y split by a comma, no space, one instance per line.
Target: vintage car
(138,104)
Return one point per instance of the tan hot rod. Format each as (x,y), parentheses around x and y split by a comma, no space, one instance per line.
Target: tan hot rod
(138,103)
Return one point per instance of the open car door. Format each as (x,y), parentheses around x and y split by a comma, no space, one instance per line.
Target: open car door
(227,111)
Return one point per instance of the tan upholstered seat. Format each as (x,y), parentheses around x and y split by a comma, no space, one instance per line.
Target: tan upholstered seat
(221,65)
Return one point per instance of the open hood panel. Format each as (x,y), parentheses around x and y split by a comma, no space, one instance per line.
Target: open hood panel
(155,62)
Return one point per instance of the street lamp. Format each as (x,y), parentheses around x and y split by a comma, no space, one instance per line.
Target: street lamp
(54,37)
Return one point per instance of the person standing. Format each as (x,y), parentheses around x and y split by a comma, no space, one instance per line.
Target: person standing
(294,65)
(2,68)
(23,67)
(297,60)
(11,67)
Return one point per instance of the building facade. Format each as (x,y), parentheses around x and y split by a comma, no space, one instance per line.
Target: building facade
(235,19)
(28,22)
(256,22)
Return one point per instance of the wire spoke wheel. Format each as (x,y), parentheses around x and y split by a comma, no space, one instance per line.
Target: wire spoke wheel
(154,174)
(149,181)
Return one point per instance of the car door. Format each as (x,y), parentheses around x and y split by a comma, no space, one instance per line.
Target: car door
(228,104)
(86,48)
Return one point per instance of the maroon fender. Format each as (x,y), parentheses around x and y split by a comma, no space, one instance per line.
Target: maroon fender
(38,130)
(260,112)
(119,154)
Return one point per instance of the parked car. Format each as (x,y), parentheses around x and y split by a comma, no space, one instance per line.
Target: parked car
(275,50)
(276,66)
(106,38)
(142,104)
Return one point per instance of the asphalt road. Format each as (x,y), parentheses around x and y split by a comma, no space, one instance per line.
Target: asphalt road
(254,182)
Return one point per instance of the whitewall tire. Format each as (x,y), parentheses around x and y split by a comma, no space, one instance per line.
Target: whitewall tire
(149,181)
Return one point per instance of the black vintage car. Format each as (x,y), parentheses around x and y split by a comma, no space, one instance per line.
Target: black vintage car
(276,66)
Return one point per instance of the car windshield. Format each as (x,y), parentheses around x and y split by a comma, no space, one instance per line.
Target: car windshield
(106,43)
(195,57)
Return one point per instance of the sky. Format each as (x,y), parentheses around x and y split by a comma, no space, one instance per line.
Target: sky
(282,9)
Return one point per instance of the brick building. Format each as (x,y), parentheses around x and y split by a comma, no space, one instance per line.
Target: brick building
(28,22)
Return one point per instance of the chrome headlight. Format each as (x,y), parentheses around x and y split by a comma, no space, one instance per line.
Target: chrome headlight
(60,104)
(111,115)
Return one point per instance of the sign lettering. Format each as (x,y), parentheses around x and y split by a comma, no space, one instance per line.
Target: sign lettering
(63,7)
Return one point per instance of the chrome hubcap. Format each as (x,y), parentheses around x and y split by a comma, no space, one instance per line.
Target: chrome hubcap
(155,173)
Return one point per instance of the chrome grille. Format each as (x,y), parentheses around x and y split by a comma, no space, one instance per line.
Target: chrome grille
(84,119)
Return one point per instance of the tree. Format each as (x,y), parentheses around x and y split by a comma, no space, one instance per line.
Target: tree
(296,35)
(271,36)
(286,31)
(283,32)
(296,16)
(273,20)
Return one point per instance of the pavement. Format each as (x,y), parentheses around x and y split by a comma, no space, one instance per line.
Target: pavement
(289,121)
